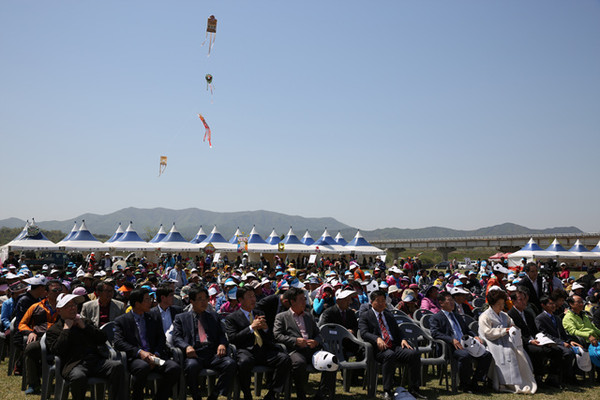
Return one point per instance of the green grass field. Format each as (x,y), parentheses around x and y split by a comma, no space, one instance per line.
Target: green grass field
(10,389)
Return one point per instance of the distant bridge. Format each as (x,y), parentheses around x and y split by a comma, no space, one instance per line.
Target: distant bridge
(505,244)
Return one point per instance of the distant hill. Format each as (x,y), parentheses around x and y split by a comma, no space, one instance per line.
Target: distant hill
(146,222)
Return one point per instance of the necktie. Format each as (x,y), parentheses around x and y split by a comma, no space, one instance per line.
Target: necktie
(344,317)
(142,332)
(384,333)
(455,327)
(201,332)
(257,339)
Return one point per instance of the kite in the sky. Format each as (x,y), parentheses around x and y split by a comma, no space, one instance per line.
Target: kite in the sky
(207,132)
(211,32)
(209,84)
(163,165)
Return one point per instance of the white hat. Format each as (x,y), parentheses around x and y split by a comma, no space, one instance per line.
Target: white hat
(54,271)
(393,289)
(458,290)
(80,273)
(462,276)
(212,291)
(353,265)
(325,361)
(473,346)
(501,269)
(36,280)
(395,270)
(511,288)
(583,359)
(107,254)
(63,299)
(576,286)
(495,288)
(10,275)
(342,294)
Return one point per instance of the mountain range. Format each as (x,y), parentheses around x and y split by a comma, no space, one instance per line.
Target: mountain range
(146,222)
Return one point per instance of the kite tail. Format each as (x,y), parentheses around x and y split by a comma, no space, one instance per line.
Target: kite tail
(207,132)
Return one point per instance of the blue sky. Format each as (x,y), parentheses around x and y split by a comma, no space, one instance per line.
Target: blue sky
(391,113)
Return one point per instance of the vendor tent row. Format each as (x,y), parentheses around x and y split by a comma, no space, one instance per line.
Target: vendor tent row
(532,251)
(81,239)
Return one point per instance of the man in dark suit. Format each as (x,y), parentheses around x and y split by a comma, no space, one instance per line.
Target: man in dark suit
(551,326)
(451,327)
(378,327)
(199,334)
(524,319)
(298,331)
(247,329)
(140,335)
(75,341)
(341,314)
(273,305)
(533,283)
(165,310)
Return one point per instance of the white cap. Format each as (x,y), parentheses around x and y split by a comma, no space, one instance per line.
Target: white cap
(458,290)
(393,289)
(395,270)
(501,269)
(462,276)
(342,294)
(63,299)
(36,280)
(575,286)
(511,288)
(212,291)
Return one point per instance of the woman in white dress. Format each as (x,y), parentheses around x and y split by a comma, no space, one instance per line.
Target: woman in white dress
(512,371)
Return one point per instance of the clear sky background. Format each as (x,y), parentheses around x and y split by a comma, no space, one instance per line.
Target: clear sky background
(391,113)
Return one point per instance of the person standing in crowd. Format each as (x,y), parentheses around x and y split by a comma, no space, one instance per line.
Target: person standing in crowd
(104,309)
(76,342)
(198,333)
(378,327)
(247,329)
(533,282)
(446,325)
(140,335)
(298,331)
(178,275)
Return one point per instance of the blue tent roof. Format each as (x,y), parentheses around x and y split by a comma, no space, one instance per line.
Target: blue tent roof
(596,249)
(234,238)
(578,247)
(307,239)
(532,246)
(339,239)
(215,237)
(72,233)
(173,236)
(200,236)
(326,239)
(255,238)
(118,233)
(83,234)
(555,246)
(160,235)
(291,238)
(359,240)
(130,235)
(273,238)
(23,233)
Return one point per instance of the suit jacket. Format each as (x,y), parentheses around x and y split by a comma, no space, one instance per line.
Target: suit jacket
(441,328)
(185,330)
(270,305)
(173,310)
(333,315)
(286,330)
(237,327)
(370,331)
(91,310)
(527,326)
(127,337)
(534,299)
(555,332)
(73,345)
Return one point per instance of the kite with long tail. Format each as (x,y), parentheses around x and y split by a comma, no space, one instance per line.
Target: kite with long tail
(207,132)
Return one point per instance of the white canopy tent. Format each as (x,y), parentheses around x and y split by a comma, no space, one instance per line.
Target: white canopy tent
(359,245)
(327,245)
(559,252)
(175,242)
(531,252)
(291,244)
(131,241)
(160,235)
(200,236)
(30,238)
(218,242)
(118,233)
(256,244)
(83,240)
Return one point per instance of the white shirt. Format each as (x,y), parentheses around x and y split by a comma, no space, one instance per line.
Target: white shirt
(165,315)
